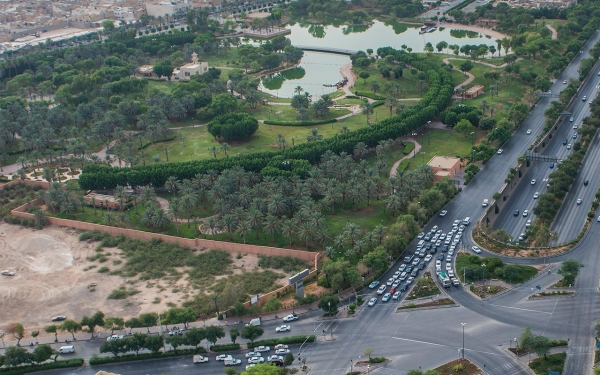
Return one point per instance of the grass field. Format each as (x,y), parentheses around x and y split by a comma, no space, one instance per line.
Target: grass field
(525,272)
(407,82)
(441,142)
(553,362)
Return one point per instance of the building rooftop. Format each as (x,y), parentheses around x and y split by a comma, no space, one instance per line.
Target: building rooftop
(443,162)
(474,89)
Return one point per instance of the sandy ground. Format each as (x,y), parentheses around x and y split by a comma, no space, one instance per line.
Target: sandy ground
(52,278)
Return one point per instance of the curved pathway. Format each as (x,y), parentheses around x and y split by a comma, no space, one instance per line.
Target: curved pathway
(446,60)
(554,33)
(164,204)
(346,71)
(394,169)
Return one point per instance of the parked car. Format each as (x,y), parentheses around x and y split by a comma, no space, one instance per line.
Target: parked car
(250,355)
(282,351)
(262,348)
(256,360)
(114,337)
(58,318)
(9,273)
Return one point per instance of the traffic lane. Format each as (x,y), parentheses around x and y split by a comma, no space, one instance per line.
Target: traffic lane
(571,217)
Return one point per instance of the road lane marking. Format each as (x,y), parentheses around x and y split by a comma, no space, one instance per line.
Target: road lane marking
(550,317)
(444,345)
(518,308)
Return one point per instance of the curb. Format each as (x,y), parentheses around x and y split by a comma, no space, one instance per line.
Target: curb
(398,310)
(527,368)
(532,298)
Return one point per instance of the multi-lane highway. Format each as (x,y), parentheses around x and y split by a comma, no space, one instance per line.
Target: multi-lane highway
(571,218)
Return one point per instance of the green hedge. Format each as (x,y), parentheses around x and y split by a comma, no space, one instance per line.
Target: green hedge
(73,362)
(96,360)
(403,165)
(303,123)
(297,339)
(224,348)
(369,95)
(409,146)
(352,97)
(377,103)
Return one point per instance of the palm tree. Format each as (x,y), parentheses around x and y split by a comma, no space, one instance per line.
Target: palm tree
(120,196)
(188,202)
(367,109)
(174,212)
(160,218)
(255,218)
(225,147)
(287,228)
(214,151)
(360,149)
(270,225)
(124,219)
(213,225)
(298,90)
(229,223)
(93,200)
(484,106)
(109,218)
(393,203)
(243,228)
(305,231)
(172,184)
(314,135)
(391,102)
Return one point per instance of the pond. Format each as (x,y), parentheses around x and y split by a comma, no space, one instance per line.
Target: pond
(317,69)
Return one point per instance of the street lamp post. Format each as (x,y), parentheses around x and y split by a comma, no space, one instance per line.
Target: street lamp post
(463,346)
(351,367)
(368,369)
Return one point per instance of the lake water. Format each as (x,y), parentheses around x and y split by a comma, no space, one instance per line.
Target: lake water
(324,68)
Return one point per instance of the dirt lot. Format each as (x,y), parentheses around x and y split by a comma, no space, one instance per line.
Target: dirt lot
(49,277)
(52,275)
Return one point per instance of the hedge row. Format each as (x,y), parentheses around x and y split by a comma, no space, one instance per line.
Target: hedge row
(377,103)
(408,147)
(403,165)
(297,339)
(96,360)
(438,96)
(224,348)
(369,95)
(74,362)
(296,123)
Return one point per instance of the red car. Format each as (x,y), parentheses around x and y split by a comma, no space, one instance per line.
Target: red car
(393,290)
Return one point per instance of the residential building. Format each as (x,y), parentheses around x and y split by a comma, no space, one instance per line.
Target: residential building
(444,166)
(184,73)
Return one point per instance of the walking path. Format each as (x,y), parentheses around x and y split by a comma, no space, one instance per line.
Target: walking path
(554,33)
(394,169)
(446,60)
(346,71)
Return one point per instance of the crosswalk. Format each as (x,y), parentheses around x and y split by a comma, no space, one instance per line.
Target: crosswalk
(581,349)
(336,371)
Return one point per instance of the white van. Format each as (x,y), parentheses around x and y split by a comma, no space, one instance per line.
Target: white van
(66,349)
(466,221)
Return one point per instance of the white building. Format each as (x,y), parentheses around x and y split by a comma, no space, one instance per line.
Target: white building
(166,7)
(184,72)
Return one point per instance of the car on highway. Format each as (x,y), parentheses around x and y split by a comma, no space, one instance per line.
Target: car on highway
(500,151)
(396,275)
(485,202)
(533,181)
(427,236)
(551,165)
(199,359)
(476,249)
(409,269)
(584,98)
(403,276)
(404,287)
(450,273)
(283,328)
(575,126)
(402,268)
(598,219)
(256,360)
(223,357)
(528,131)
(386,297)
(290,318)
(374,284)
(528,224)
(448,266)
(536,195)
(449,259)
(410,280)
(585,182)
(440,257)
(571,119)
(396,283)
(381,289)
(575,136)
(443,213)
(58,318)
(590,102)
(565,142)
(568,146)
(282,351)
(396,296)
(372,302)
(525,213)
(390,281)
(565,82)
(579,201)
(421,235)
(416,261)
(428,257)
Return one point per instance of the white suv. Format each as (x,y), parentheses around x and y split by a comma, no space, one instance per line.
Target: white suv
(381,289)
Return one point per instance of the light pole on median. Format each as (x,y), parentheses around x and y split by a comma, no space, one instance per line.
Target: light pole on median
(463,346)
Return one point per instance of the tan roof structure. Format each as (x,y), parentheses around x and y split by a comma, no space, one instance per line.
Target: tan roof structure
(444,166)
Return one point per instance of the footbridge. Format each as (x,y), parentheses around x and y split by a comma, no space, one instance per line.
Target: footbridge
(339,51)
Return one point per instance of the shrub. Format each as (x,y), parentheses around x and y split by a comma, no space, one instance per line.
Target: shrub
(297,339)
(408,148)
(225,347)
(233,126)
(403,165)
(96,360)
(377,360)
(73,362)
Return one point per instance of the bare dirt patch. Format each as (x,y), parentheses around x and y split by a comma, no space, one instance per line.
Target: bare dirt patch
(50,278)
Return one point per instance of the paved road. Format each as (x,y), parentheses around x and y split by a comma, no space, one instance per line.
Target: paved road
(571,217)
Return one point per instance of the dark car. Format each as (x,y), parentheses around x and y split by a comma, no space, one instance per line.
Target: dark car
(404,287)
(409,269)
(565,142)
(441,256)
(516,213)
(422,265)
(585,182)
(428,246)
(445,248)
(414,273)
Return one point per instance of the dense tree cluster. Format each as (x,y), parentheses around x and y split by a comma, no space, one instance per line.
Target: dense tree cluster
(233,127)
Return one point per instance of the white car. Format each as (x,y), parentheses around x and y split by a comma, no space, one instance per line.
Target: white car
(283,328)
(579,201)
(199,359)
(386,297)
(428,257)
(533,181)
(476,250)
(223,357)
(528,131)
(500,151)
(256,360)
(402,268)
(565,82)
(249,355)
(410,280)
(421,235)
(396,275)
(381,289)
(396,296)
(438,263)
(372,302)
(575,126)
(262,349)
(448,266)
(450,273)
(536,195)
(114,337)
(275,358)
(281,346)
(290,318)
(390,281)
(485,202)
(8,273)
(396,283)
(525,213)
(282,351)
(528,224)
(443,213)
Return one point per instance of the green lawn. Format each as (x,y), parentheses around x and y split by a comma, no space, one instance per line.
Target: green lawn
(287,113)
(464,261)
(441,142)
(407,82)
(553,362)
